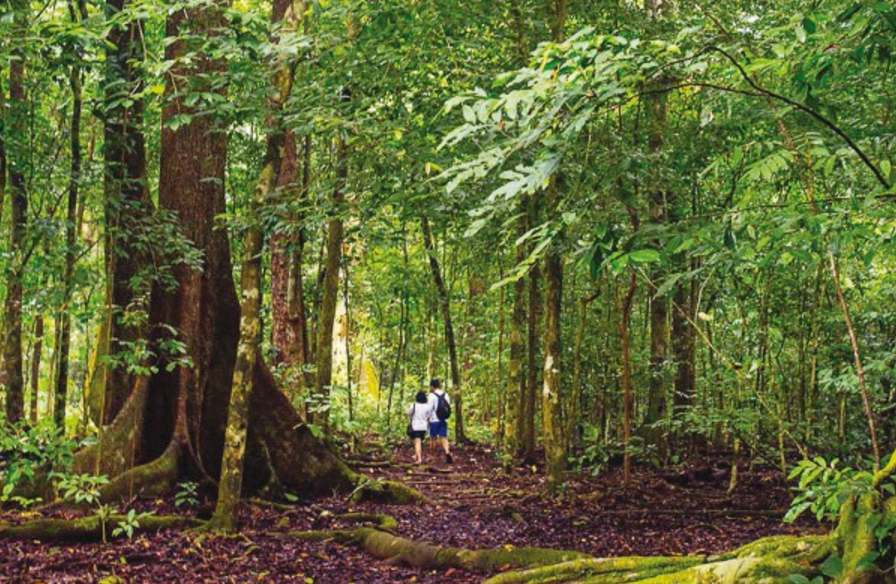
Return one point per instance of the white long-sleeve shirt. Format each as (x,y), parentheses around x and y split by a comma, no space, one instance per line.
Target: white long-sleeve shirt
(420,414)
(434,403)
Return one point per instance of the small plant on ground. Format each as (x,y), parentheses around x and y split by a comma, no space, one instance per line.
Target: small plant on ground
(187,494)
(130,523)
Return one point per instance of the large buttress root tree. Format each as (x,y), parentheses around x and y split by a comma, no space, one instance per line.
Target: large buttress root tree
(172,423)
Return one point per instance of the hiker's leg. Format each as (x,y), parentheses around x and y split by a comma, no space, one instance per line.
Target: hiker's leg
(418,450)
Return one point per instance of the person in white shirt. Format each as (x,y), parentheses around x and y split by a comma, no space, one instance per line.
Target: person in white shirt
(438,426)
(419,412)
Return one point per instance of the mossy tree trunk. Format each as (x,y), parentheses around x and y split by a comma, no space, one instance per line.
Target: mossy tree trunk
(248,351)
(516,382)
(13,360)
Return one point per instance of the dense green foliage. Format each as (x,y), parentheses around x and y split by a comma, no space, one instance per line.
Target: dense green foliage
(774,175)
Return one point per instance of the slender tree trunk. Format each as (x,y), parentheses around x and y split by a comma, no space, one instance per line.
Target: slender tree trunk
(36,354)
(659,205)
(530,402)
(624,306)
(516,381)
(64,320)
(573,404)
(857,358)
(12,348)
(445,306)
(330,290)
(683,345)
(500,402)
(551,405)
(348,338)
(3,163)
(248,349)
(126,206)
(289,328)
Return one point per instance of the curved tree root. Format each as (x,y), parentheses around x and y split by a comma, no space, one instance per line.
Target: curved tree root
(387,546)
(386,492)
(152,479)
(89,528)
(770,560)
(766,561)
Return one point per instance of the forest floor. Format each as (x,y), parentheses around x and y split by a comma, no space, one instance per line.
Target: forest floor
(471,504)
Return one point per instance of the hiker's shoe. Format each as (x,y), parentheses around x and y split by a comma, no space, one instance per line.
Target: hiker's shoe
(449,459)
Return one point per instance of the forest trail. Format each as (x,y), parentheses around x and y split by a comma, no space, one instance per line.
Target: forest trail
(469,504)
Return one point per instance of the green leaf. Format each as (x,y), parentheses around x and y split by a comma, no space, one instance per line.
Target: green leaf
(867,561)
(832,566)
(644,256)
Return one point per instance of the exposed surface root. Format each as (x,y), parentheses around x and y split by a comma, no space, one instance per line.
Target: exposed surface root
(89,528)
(153,479)
(766,561)
(386,546)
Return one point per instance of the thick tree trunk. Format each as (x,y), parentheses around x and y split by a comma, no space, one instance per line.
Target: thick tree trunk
(445,307)
(12,347)
(289,328)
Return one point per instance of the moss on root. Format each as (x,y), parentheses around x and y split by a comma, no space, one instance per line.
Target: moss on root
(598,570)
(387,492)
(767,561)
(89,528)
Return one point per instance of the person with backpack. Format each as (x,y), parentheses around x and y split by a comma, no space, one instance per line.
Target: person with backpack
(419,413)
(438,419)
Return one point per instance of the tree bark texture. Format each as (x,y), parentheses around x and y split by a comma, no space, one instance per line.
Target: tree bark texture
(126,206)
(552,389)
(535,309)
(172,424)
(17,156)
(330,290)
(684,345)
(248,349)
(516,382)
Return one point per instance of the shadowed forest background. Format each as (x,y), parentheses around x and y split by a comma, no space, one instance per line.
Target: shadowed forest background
(642,243)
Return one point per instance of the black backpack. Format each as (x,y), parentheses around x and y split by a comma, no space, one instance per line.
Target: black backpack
(443,408)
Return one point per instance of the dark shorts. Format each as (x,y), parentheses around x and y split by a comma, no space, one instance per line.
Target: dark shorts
(438,429)
(421,434)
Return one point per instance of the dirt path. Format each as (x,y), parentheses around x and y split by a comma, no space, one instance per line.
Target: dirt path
(470,504)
